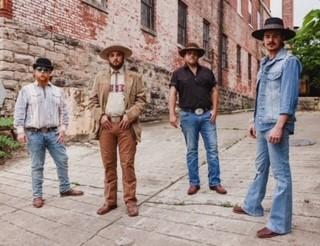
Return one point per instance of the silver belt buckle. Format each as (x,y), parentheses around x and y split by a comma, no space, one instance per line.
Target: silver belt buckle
(199,111)
(115,119)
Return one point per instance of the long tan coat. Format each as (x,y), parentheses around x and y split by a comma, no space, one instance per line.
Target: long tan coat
(135,100)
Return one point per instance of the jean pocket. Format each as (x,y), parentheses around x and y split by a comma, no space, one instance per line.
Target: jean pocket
(184,114)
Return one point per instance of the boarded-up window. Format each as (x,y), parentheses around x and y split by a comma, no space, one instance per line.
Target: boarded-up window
(148,14)
(206,38)
(182,23)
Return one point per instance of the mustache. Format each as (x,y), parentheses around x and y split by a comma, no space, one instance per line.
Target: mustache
(270,43)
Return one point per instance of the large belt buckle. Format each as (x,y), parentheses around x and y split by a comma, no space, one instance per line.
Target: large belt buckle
(115,119)
(199,111)
(44,129)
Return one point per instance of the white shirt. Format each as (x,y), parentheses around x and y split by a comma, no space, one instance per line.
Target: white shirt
(116,100)
(39,107)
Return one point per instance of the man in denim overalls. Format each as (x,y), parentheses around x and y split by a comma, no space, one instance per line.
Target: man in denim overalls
(274,117)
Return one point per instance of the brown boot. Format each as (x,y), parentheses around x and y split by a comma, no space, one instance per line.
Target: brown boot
(193,189)
(239,210)
(106,209)
(132,209)
(38,202)
(71,192)
(218,188)
(266,233)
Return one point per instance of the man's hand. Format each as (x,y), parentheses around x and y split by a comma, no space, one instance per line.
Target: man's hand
(124,123)
(275,135)
(61,137)
(105,123)
(213,117)
(22,138)
(173,120)
(252,131)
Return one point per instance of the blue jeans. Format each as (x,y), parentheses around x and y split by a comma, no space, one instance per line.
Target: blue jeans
(192,126)
(38,142)
(276,156)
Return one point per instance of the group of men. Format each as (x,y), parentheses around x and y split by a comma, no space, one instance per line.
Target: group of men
(118,98)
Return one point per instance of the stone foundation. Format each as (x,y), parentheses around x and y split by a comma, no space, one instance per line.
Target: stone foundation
(232,101)
(309,104)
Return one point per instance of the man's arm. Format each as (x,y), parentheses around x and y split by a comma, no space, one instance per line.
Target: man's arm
(20,116)
(288,97)
(215,103)
(64,115)
(172,107)
(63,118)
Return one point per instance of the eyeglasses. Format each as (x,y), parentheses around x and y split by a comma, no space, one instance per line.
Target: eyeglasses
(43,69)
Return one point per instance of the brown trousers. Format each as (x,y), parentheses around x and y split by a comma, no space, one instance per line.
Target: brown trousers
(109,140)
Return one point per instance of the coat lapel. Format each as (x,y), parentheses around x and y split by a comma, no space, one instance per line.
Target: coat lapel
(128,87)
(104,89)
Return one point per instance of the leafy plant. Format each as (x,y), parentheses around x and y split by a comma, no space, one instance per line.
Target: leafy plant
(7,143)
(306,45)
(6,123)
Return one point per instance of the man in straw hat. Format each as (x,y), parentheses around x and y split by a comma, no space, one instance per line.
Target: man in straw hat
(117,101)
(199,102)
(274,117)
(41,119)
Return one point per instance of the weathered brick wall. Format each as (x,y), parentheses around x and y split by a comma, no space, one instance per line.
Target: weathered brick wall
(120,24)
(76,64)
(239,33)
(72,33)
(72,17)
(288,13)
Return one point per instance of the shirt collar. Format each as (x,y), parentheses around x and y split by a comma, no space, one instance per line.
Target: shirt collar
(36,83)
(280,55)
(120,71)
(187,67)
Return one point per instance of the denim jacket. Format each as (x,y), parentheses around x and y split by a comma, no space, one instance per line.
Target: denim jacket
(277,90)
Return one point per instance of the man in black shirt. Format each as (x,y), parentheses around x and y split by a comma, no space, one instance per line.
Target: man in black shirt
(198,101)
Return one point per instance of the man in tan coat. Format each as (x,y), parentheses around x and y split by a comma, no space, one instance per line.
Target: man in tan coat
(117,101)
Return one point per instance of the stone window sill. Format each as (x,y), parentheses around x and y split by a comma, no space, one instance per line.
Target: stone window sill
(149,31)
(180,46)
(96,5)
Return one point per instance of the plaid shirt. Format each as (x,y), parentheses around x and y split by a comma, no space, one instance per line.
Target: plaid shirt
(39,107)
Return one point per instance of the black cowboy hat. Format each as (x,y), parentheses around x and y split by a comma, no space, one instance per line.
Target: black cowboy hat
(192,46)
(274,23)
(43,62)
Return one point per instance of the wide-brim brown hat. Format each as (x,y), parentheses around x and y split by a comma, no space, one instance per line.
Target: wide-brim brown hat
(274,23)
(105,53)
(192,46)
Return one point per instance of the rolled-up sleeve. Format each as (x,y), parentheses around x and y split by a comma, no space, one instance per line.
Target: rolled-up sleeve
(64,115)
(290,83)
(174,80)
(20,112)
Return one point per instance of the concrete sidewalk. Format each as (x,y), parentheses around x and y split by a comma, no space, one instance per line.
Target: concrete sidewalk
(168,216)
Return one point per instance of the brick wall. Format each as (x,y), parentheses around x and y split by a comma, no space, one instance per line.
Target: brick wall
(287,13)
(72,33)
(239,33)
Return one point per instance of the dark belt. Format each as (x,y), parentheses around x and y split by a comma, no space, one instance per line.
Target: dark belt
(42,129)
(197,111)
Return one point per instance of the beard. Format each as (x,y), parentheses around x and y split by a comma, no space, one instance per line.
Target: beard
(116,66)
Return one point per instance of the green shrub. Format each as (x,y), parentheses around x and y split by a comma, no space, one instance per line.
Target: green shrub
(7,143)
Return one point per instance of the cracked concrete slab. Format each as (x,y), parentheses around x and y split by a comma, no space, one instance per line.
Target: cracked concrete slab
(168,216)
